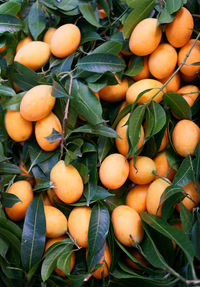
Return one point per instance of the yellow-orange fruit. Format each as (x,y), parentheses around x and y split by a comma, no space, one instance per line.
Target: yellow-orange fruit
(136,197)
(145,37)
(194,56)
(135,89)
(106,261)
(156,189)
(23,190)
(26,173)
(127,225)
(78,224)
(162,61)
(174,84)
(184,24)
(65,40)
(144,173)
(144,74)
(188,100)
(34,55)
(102,14)
(67,181)
(114,171)
(114,93)
(17,127)
(23,42)
(192,193)
(163,167)
(37,103)
(49,243)
(52,196)
(2,48)
(56,222)
(190,89)
(48,35)
(139,258)
(122,142)
(164,141)
(185,137)
(44,128)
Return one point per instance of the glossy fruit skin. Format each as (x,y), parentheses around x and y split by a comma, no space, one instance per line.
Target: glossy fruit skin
(187,202)
(106,261)
(34,55)
(145,37)
(65,40)
(23,190)
(114,93)
(190,89)
(162,61)
(126,221)
(122,142)
(56,222)
(156,189)
(185,129)
(114,171)
(48,35)
(145,170)
(174,83)
(164,142)
(78,224)
(193,57)
(17,127)
(136,88)
(163,167)
(44,128)
(37,103)
(23,42)
(144,74)
(136,197)
(184,24)
(67,181)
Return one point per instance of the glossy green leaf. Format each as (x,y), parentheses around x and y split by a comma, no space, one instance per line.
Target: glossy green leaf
(196,161)
(97,130)
(10,8)
(64,261)
(195,238)
(9,168)
(13,103)
(36,20)
(9,199)
(109,47)
(91,188)
(185,173)
(186,219)
(9,23)
(173,5)
(165,17)
(136,66)
(88,13)
(6,91)
(11,226)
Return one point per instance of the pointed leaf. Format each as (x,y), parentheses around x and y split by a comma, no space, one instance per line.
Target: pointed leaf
(36,20)
(9,199)
(88,13)
(185,173)
(9,23)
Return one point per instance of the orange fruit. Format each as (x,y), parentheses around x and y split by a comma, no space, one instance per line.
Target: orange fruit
(136,197)
(163,167)
(190,89)
(145,37)
(188,79)
(164,142)
(114,93)
(2,48)
(23,42)
(26,173)
(48,35)
(144,74)
(174,84)
(102,14)
(114,171)
(52,196)
(193,194)
(139,258)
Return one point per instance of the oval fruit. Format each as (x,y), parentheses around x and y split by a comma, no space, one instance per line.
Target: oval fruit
(144,74)
(114,93)
(164,141)
(190,89)
(127,225)
(23,42)
(174,84)
(34,55)
(44,128)
(145,37)
(106,261)
(37,103)
(192,193)
(17,127)
(163,167)
(136,197)
(65,40)
(67,181)
(48,35)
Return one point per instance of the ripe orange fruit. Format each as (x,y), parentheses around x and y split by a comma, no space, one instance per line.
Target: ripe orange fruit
(122,142)
(164,141)
(194,57)
(139,258)
(185,137)
(163,167)
(114,171)
(145,37)
(102,14)
(162,61)
(37,103)
(190,89)
(26,173)
(144,74)
(44,128)
(156,189)
(136,197)
(48,35)
(78,224)
(56,222)
(23,190)
(2,48)
(135,89)
(184,24)
(114,93)
(67,181)
(144,173)
(174,84)
(23,42)
(17,127)
(193,194)
(65,40)
(127,225)
(34,55)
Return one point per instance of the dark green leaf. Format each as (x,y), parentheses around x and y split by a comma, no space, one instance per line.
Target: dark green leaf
(196,161)
(97,130)
(64,261)
(165,17)
(54,136)
(9,199)
(36,20)
(10,8)
(110,47)
(186,219)
(91,188)
(9,168)
(88,13)
(89,37)
(9,23)
(10,226)
(104,146)
(185,173)
(173,5)
(195,238)
(4,245)
(13,103)
(6,91)
(136,66)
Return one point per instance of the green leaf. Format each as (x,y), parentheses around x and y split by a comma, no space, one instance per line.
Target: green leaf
(13,103)
(66,64)
(34,234)
(173,5)
(97,130)
(4,245)
(196,161)
(101,63)
(186,219)
(11,226)
(88,13)
(89,37)
(178,105)
(10,8)
(9,168)
(98,231)
(104,146)
(11,238)
(101,193)
(165,17)
(109,47)
(9,23)
(171,232)
(173,158)
(54,136)
(9,199)
(136,66)
(6,91)
(185,173)
(195,238)
(36,20)
(141,10)
(42,184)
(91,188)
(64,261)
